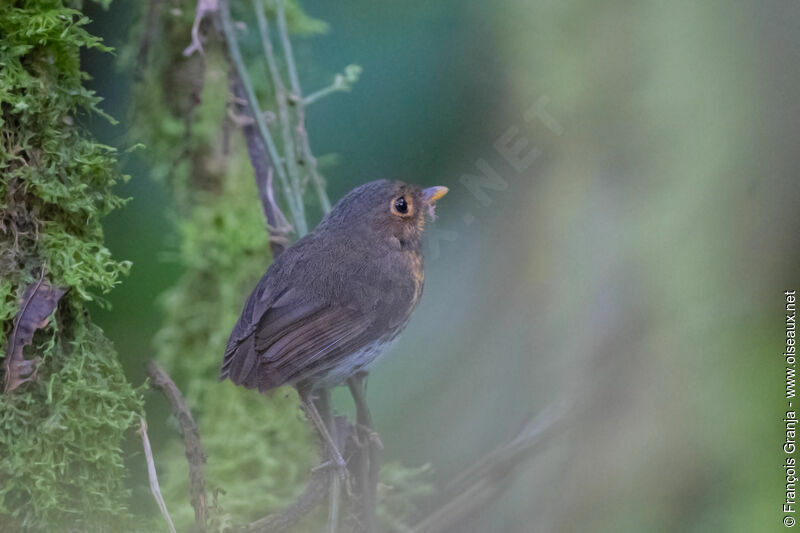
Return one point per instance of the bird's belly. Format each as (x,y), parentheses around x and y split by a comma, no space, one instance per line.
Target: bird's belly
(338,372)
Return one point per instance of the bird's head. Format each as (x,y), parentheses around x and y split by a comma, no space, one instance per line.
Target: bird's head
(392,210)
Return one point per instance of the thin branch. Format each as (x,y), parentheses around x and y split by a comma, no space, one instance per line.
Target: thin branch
(334,502)
(204,7)
(286,43)
(191,439)
(323,403)
(279,228)
(269,52)
(281,100)
(316,177)
(489,477)
(367,460)
(302,134)
(151,474)
(295,204)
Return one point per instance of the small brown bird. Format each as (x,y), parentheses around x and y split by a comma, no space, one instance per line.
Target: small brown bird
(330,304)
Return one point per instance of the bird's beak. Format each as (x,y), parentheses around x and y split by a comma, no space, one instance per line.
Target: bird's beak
(431,194)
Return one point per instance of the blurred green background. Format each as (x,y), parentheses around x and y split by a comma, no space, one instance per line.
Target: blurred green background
(635,268)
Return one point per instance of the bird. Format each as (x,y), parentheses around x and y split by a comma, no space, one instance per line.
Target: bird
(332,303)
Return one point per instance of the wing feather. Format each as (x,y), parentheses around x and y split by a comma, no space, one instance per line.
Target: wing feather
(291,341)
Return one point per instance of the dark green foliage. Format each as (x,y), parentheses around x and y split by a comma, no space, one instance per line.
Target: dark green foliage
(60,434)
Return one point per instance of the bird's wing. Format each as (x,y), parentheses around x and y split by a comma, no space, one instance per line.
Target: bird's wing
(292,339)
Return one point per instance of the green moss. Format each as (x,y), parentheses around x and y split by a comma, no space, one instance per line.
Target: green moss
(60,434)
(62,462)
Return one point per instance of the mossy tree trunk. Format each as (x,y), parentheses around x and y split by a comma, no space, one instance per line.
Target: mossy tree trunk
(67,405)
(63,420)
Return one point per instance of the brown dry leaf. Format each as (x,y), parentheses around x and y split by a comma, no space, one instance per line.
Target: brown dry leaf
(37,304)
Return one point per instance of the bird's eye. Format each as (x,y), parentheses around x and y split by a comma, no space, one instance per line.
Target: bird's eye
(400,205)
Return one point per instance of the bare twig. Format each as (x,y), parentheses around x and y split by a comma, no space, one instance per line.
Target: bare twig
(151,474)
(487,478)
(204,7)
(191,438)
(281,99)
(302,135)
(334,502)
(367,459)
(279,228)
(286,43)
(323,404)
(295,204)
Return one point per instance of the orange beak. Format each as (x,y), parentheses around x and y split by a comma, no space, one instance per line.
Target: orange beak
(431,194)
